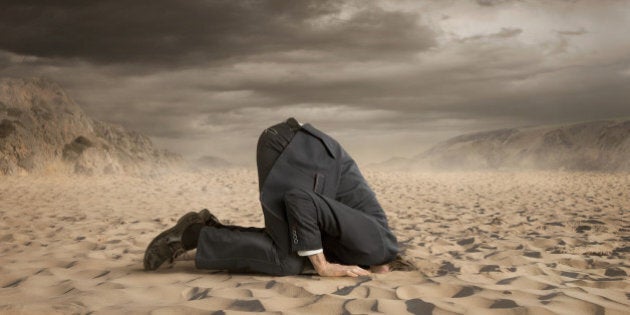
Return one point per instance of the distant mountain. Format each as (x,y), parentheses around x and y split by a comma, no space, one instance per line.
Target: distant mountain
(395,163)
(586,146)
(43,130)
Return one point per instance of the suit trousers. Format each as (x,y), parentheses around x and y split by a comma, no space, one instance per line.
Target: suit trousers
(347,235)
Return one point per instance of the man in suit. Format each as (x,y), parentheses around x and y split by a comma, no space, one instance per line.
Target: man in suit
(318,209)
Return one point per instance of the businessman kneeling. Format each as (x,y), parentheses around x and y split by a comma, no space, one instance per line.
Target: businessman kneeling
(319,212)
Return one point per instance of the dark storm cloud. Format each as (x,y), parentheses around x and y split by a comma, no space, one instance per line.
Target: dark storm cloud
(605,98)
(505,32)
(385,77)
(581,31)
(192,32)
(491,3)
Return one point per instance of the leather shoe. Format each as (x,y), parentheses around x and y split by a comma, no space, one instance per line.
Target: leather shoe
(168,244)
(209,218)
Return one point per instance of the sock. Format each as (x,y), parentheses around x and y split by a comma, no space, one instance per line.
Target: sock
(191,236)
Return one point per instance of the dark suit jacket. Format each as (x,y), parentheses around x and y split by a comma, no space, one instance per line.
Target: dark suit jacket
(313,161)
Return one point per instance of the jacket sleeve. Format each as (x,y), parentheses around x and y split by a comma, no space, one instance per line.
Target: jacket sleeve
(354,191)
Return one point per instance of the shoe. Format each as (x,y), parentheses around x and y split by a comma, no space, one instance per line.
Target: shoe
(168,245)
(209,218)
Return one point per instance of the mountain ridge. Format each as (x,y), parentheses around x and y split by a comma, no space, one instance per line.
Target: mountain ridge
(42,129)
(602,145)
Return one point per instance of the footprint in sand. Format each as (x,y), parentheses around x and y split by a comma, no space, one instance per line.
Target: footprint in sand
(467,291)
(418,306)
(490,268)
(247,306)
(503,303)
(14,283)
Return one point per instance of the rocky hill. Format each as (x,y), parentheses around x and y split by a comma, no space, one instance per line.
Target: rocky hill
(43,130)
(586,146)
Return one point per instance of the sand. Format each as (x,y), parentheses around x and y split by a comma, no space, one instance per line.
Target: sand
(481,243)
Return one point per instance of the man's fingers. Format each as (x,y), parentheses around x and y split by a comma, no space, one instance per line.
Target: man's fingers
(360,271)
(356,271)
(336,270)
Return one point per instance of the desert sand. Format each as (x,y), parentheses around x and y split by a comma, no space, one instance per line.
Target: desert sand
(480,242)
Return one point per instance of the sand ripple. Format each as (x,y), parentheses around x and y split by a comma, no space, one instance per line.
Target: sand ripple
(478,243)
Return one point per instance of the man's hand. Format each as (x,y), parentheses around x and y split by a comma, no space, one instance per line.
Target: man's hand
(326,269)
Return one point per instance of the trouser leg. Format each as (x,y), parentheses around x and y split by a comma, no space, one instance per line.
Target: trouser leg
(347,235)
(247,249)
(243,250)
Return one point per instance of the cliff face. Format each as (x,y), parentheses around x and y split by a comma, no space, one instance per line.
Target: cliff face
(42,129)
(589,146)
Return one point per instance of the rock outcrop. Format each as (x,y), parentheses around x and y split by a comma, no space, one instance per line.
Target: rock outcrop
(43,130)
(587,146)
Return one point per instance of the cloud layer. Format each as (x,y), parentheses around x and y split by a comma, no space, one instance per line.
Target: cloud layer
(386,78)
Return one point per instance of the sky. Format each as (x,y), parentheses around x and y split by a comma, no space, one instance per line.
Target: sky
(385,78)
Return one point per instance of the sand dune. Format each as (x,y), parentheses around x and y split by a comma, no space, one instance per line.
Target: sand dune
(481,243)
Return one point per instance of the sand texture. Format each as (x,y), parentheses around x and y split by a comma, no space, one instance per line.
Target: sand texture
(481,243)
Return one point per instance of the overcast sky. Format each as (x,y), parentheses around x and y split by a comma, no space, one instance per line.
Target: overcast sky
(385,78)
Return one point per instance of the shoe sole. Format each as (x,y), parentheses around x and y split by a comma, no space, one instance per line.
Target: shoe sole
(160,250)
